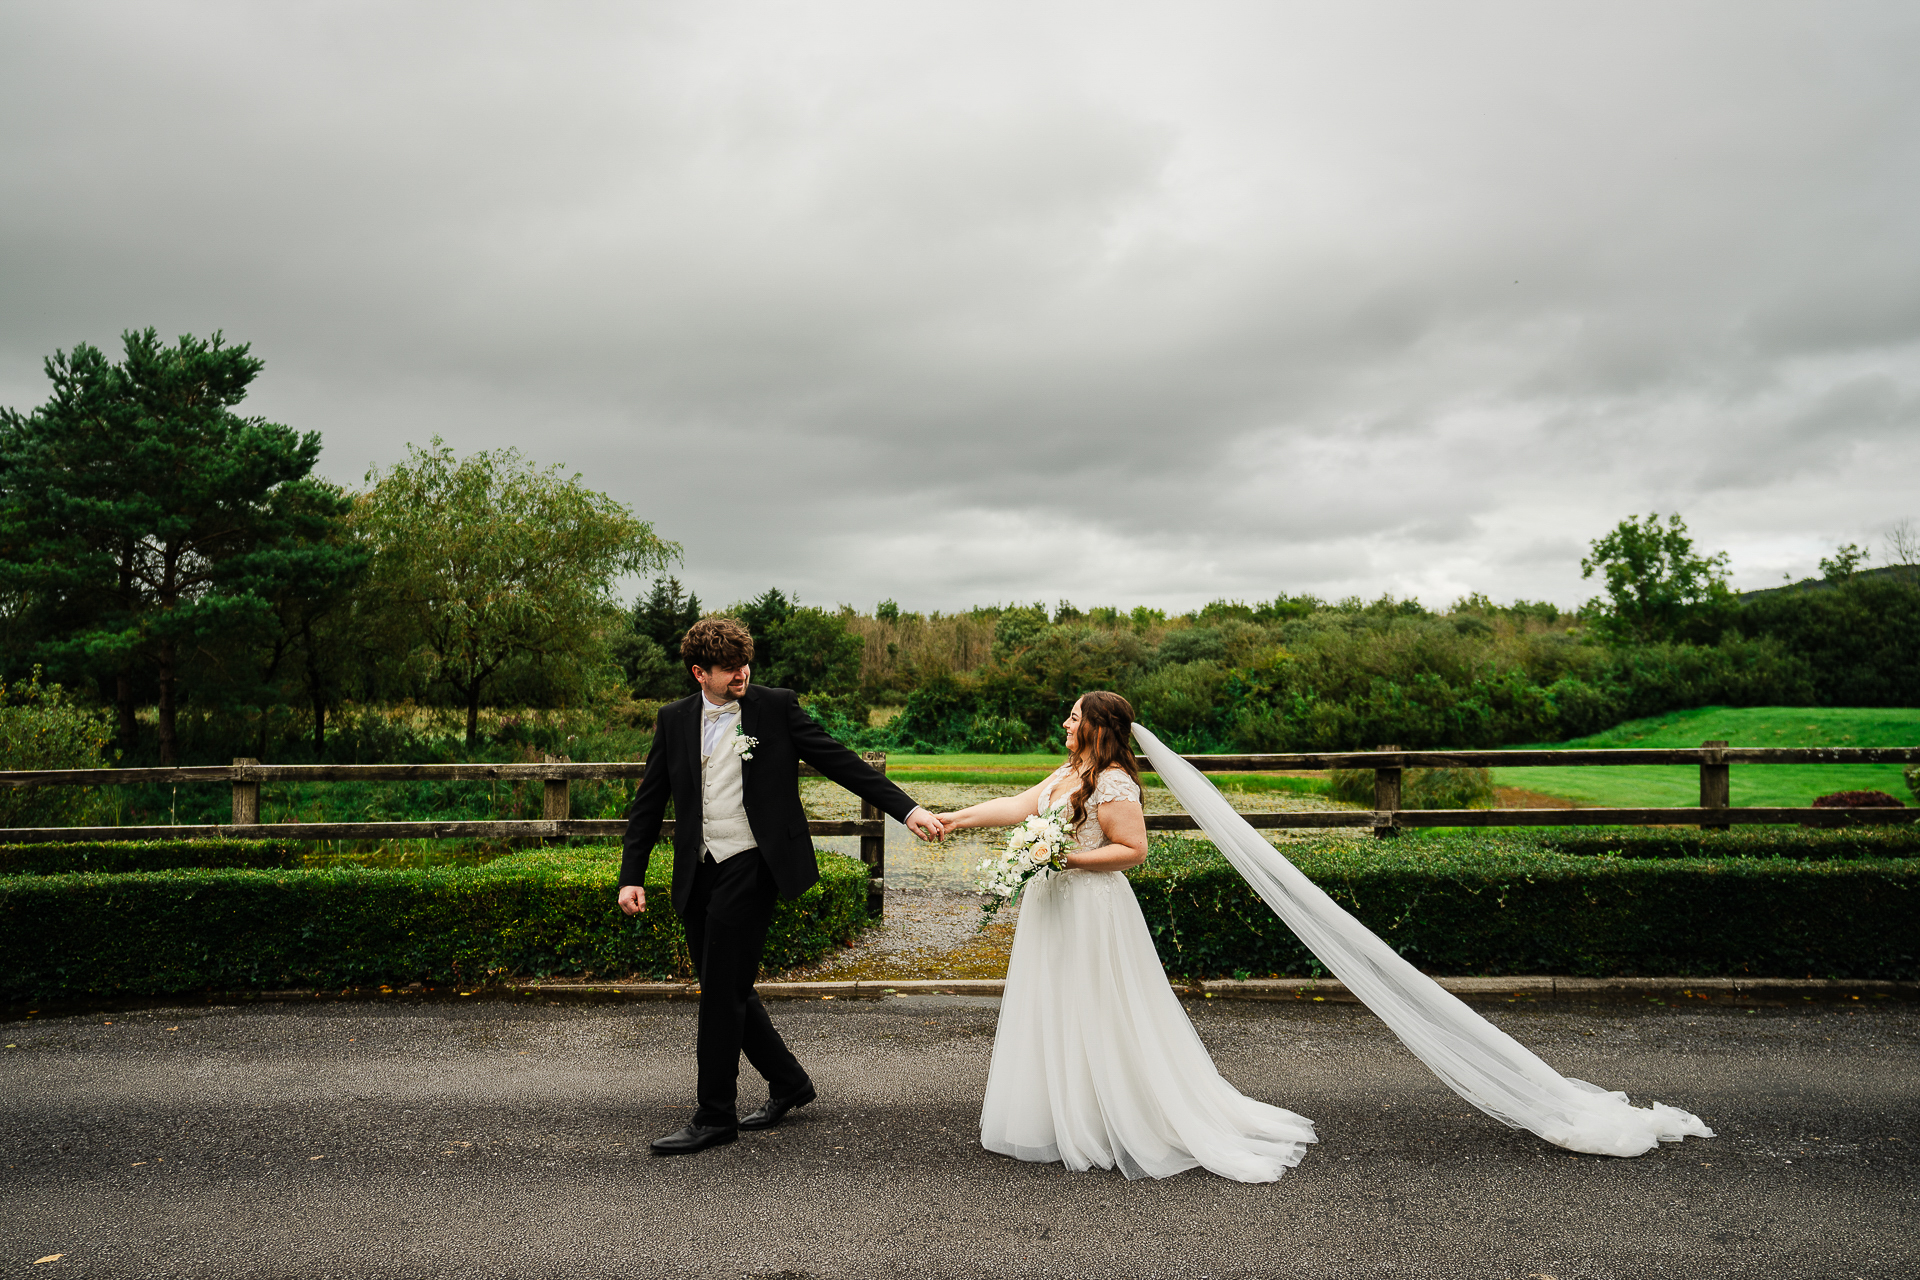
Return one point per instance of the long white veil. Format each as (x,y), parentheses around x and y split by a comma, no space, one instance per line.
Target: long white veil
(1478,1061)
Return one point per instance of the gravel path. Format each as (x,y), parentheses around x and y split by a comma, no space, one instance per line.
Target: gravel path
(932,927)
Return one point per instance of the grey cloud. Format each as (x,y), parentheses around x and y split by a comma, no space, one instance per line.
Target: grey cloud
(984,303)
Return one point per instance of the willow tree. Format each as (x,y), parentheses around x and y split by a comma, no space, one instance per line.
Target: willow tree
(484,561)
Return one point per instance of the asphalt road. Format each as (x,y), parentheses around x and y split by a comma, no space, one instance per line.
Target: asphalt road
(503,1138)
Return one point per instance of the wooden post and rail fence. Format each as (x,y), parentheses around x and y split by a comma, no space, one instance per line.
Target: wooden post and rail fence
(1387,818)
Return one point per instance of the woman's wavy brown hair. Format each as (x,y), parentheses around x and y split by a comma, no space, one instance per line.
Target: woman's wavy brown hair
(1101,742)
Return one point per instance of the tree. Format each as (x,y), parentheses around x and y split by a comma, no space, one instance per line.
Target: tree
(800,647)
(1656,584)
(487,560)
(1846,562)
(817,654)
(1903,551)
(649,652)
(301,642)
(145,514)
(762,617)
(1903,544)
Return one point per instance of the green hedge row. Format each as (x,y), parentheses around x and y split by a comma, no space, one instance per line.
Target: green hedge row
(1811,844)
(539,913)
(1496,908)
(115,856)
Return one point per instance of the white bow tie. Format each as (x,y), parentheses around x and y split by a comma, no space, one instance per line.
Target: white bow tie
(714,713)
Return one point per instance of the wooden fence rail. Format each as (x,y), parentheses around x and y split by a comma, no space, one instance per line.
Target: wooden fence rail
(556,769)
(556,774)
(1387,818)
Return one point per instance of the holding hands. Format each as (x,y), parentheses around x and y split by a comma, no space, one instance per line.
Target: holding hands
(927,826)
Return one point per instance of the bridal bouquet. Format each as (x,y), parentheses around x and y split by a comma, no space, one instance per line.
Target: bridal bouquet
(1036,846)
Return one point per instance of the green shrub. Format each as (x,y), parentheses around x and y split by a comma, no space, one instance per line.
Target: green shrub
(1496,908)
(41,728)
(1809,844)
(116,856)
(1419,788)
(1179,698)
(534,914)
(999,734)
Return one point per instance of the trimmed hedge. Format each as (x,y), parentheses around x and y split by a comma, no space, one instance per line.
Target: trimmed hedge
(539,913)
(1809,844)
(115,856)
(1498,909)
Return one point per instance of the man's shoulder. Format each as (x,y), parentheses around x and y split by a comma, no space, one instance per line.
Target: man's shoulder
(676,711)
(770,695)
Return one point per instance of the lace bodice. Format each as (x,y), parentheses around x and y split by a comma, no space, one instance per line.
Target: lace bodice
(1113,784)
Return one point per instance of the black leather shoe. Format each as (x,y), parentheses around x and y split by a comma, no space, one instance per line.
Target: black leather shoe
(695,1137)
(769,1115)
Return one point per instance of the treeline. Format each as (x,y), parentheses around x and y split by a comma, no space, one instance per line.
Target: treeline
(1303,675)
(200,594)
(1300,674)
(178,563)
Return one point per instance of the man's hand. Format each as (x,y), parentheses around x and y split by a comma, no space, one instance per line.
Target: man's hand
(925,825)
(633,899)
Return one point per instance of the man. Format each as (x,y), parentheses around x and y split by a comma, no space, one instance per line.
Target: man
(728,757)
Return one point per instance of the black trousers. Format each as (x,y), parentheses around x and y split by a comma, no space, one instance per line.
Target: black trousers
(726,919)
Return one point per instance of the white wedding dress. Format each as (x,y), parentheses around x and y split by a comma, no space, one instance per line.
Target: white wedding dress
(1094,1061)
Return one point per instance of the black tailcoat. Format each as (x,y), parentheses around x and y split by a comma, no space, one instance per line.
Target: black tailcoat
(770,785)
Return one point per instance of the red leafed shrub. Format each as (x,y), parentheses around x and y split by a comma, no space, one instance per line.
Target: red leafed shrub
(1859,800)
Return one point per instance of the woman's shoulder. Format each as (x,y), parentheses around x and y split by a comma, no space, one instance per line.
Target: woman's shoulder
(1115,783)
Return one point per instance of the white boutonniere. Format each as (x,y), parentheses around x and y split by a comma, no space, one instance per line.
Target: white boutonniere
(742,744)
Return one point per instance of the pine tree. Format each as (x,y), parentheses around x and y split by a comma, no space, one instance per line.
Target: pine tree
(146,514)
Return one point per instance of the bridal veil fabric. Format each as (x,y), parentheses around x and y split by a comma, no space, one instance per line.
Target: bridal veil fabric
(1478,1061)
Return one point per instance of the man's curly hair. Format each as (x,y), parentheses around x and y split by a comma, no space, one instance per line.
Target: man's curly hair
(717,641)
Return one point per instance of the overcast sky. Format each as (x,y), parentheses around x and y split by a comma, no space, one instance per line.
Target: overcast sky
(968,303)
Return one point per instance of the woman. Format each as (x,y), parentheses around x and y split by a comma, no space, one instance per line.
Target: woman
(1095,1062)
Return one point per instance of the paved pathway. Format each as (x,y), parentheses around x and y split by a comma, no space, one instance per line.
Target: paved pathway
(507,1138)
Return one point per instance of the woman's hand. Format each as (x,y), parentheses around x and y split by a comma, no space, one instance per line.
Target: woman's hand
(1003,812)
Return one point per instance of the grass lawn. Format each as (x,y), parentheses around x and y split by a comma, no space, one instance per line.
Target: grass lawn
(1753,784)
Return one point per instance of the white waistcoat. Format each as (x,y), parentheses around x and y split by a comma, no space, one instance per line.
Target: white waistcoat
(723,814)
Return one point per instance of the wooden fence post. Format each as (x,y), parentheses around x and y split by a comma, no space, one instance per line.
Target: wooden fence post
(873,849)
(1386,795)
(556,801)
(1716,785)
(246,797)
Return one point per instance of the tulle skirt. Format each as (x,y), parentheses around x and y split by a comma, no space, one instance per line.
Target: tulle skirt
(1095,1064)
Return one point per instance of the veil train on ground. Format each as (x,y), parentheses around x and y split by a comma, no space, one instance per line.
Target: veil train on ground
(1476,1059)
